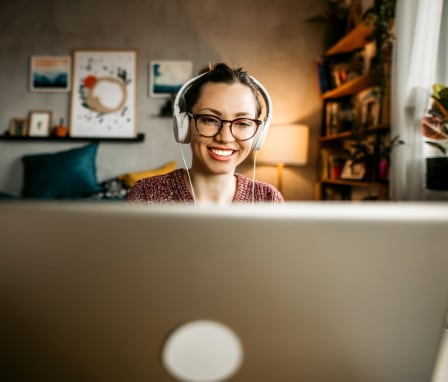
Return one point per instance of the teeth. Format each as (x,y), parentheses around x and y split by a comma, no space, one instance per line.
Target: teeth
(224,153)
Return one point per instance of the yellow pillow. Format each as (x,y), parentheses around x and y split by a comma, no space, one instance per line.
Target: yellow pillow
(130,179)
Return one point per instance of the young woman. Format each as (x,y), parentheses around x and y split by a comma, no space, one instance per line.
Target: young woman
(223,111)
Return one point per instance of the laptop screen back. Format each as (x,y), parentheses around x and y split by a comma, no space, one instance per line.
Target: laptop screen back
(315,292)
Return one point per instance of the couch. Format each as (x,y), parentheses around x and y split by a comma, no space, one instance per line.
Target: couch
(71,175)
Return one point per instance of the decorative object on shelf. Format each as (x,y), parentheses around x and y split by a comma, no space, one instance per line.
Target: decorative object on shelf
(50,73)
(60,130)
(353,170)
(18,127)
(104,93)
(39,123)
(285,145)
(167,77)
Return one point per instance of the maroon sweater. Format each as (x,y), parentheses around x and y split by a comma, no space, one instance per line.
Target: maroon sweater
(172,188)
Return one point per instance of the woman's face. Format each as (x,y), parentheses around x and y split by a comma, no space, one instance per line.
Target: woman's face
(223,153)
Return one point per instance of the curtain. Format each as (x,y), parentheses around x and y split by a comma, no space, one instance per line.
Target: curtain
(420,59)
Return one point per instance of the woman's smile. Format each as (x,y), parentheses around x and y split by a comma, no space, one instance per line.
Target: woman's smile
(221,154)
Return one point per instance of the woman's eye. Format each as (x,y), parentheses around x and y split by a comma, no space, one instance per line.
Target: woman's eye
(209,121)
(244,123)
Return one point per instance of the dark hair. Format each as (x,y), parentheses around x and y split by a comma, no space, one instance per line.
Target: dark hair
(219,73)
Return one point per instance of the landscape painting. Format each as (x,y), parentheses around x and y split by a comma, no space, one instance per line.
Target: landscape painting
(50,73)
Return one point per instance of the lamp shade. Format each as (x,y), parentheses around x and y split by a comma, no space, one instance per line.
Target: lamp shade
(285,144)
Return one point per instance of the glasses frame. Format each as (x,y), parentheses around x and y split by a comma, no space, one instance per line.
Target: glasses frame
(196,116)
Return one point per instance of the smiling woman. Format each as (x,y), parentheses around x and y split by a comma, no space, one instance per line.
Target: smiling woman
(219,114)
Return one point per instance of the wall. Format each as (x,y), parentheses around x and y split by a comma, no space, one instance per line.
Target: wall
(269,39)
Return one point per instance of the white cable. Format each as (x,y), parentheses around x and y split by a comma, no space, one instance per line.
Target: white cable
(188,174)
(253,177)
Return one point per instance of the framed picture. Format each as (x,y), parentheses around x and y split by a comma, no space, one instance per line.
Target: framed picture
(369,107)
(39,123)
(356,171)
(50,73)
(167,77)
(104,94)
(18,127)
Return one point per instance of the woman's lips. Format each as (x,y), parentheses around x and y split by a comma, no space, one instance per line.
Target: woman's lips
(221,154)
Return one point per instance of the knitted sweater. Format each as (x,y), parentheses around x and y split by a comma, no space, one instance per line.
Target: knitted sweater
(173,188)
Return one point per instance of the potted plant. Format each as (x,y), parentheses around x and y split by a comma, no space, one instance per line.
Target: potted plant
(435,131)
(385,151)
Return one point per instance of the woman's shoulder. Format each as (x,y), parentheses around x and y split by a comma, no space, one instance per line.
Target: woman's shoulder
(159,188)
(263,191)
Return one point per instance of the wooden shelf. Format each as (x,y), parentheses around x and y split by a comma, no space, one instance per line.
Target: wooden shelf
(353,183)
(350,88)
(12,138)
(348,134)
(353,40)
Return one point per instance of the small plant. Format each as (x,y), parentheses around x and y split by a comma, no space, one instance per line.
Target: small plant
(435,122)
(385,150)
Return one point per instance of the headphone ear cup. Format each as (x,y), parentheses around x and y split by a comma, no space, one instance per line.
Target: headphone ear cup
(261,135)
(182,128)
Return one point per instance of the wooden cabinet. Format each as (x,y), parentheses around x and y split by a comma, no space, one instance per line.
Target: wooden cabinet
(354,131)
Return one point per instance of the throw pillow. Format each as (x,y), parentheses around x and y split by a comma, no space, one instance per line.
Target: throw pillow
(130,179)
(69,174)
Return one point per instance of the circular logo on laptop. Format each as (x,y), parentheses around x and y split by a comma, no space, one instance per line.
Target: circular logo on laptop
(202,351)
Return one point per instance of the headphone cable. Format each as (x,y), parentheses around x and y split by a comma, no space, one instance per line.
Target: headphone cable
(188,174)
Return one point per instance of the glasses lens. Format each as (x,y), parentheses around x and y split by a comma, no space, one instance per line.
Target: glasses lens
(243,128)
(208,125)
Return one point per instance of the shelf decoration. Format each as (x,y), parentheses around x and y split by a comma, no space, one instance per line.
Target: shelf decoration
(167,77)
(50,73)
(18,127)
(39,123)
(103,101)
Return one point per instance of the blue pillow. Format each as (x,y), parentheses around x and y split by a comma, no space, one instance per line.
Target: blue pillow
(69,174)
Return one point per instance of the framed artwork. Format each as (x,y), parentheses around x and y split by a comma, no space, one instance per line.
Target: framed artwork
(103,102)
(39,123)
(370,107)
(356,171)
(18,127)
(167,77)
(50,73)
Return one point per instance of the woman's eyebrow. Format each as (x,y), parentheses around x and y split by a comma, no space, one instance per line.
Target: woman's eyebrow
(217,112)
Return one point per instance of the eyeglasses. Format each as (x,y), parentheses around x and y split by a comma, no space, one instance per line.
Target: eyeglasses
(210,126)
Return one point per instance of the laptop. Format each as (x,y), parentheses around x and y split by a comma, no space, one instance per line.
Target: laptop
(312,291)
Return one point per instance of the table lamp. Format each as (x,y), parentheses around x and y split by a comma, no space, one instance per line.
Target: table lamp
(285,145)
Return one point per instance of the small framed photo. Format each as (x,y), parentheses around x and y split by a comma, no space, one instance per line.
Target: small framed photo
(167,77)
(18,127)
(50,73)
(39,123)
(353,171)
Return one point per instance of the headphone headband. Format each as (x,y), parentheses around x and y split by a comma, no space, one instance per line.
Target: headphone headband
(181,121)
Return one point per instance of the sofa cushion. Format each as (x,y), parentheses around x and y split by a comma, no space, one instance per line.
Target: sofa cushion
(69,174)
(131,178)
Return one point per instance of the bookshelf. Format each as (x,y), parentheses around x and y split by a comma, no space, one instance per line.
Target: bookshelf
(353,127)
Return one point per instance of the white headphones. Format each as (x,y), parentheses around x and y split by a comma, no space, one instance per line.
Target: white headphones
(181,120)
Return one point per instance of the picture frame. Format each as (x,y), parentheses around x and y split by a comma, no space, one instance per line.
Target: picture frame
(104,93)
(50,73)
(167,77)
(18,127)
(353,172)
(39,123)
(370,107)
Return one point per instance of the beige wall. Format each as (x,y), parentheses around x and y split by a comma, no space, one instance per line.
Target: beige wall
(270,39)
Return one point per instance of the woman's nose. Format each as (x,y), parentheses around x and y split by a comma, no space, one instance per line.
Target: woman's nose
(225,135)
